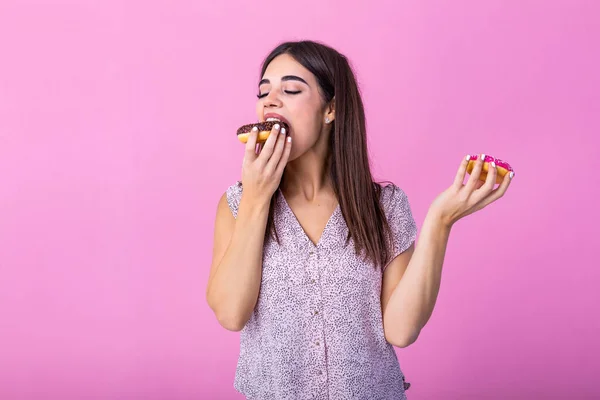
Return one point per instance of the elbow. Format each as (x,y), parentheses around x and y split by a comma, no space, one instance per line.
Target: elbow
(402,339)
(229,319)
(233,324)
(402,342)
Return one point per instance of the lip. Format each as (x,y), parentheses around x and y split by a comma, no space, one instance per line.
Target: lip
(279,117)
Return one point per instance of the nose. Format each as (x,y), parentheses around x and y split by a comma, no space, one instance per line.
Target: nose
(272,100)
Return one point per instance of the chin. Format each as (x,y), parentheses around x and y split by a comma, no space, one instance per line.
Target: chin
(295,154)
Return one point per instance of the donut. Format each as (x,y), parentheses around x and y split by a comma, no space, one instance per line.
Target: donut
(502,167)
(264,130)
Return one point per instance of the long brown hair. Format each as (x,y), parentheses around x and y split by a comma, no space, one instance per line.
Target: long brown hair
(357,193)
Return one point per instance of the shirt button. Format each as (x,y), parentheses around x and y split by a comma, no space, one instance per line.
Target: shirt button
(312,281)
(319,372)
(316,312)
(317,343)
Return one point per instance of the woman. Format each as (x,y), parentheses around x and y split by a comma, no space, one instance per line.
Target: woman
(313,261)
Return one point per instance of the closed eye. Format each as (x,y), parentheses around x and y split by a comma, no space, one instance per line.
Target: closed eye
(260,96)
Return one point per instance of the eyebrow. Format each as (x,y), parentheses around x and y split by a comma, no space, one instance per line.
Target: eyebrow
(285,78)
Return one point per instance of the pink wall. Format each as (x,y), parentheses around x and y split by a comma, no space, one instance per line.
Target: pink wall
(113,117)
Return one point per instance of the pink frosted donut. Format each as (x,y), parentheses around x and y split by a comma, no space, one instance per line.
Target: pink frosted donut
(502,167)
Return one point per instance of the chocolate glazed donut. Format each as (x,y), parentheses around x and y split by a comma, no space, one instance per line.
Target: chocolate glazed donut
(264,130)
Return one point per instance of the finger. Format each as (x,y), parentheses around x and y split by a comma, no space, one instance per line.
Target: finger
(471,183)
(285,156)
(499,192)
(488,186)
(496,194)
(277,152)
(462,171)
(267,149)
(259,147)
(251,144)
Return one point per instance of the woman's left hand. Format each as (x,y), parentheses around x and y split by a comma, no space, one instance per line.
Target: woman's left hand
(460,200)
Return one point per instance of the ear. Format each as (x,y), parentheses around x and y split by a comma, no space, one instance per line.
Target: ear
(330,111)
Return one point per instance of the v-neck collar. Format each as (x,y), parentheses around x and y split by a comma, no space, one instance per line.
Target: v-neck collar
(298,227)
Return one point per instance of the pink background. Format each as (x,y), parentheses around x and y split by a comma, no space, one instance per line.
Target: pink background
(117,124)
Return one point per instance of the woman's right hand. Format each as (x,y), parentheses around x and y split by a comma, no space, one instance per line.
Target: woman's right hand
(261,173)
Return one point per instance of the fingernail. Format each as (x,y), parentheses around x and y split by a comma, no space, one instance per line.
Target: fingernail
(276,127)
(289,139)
(468,157)
(283,131)
(493,164)
(254,129)
(482,157)
(512,174)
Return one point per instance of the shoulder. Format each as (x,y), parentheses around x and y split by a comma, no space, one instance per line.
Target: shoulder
(392,196)
(397,210)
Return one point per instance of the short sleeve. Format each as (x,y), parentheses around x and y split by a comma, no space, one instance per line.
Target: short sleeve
(403,229)
(234,195)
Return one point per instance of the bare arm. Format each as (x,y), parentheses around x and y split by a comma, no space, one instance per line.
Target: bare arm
(411,283)
(236,269)
(235,274)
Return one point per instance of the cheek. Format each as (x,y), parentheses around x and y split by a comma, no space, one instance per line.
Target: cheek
(306,128)
(307,123)
(259,108)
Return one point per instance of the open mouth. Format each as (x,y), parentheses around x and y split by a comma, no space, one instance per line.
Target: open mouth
(272,117)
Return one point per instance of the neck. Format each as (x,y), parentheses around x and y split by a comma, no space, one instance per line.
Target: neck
(308,176)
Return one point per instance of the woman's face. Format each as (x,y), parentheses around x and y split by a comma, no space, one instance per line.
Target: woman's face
(290,93)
